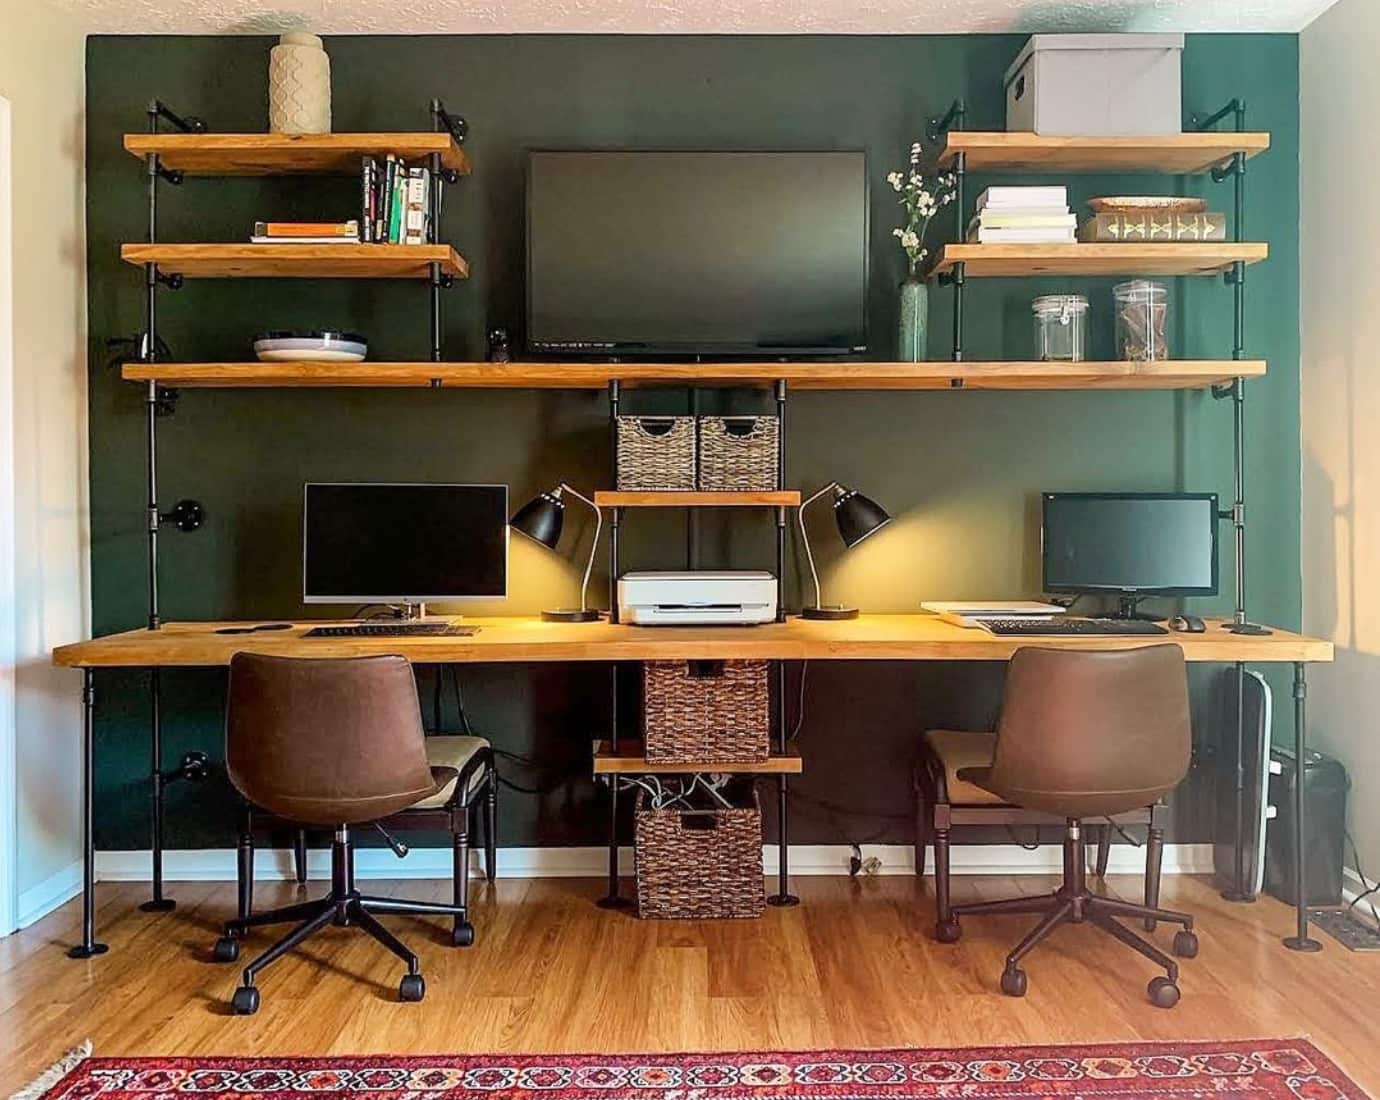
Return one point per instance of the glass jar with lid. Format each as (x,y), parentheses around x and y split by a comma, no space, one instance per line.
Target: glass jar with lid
(1061,327)
(1142,315)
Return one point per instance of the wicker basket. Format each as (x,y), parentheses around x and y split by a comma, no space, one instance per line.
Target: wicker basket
(656,452)
(699,864)
(739,453)
(705,712)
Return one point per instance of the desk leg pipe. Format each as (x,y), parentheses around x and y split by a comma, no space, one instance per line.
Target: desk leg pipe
(783,896)
(1300,941)
(614,899)
(88,946)
(158,788)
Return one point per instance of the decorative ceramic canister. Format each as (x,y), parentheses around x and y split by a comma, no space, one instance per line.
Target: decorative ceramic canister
(299,86)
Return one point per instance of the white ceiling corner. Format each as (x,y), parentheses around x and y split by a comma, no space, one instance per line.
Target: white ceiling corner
(687,16)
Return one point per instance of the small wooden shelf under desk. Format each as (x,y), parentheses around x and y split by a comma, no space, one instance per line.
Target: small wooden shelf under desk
(938,375)
(787,498)
(1087,259)
(298,261)
(290,154)
(629,760)
(1167,154)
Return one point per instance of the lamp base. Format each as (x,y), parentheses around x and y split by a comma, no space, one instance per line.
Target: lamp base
(829,613)
(571,615)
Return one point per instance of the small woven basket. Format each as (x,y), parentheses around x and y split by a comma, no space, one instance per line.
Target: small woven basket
(656,452)
(739,453)
(705,712)
(699,864)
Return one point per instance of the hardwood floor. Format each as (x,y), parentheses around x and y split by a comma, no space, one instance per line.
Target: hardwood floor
(854,966)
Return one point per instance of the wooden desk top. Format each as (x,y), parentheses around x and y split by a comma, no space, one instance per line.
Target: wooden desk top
(867,638)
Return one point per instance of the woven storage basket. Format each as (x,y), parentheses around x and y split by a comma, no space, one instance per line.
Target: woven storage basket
(705,712)
(739,453)
(656,452)
(700,864)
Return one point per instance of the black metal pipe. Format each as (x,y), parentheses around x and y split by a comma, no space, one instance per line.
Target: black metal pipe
(781,511)
(959,269)
(151,511)
(1300,941)
(88,946)
(158,784)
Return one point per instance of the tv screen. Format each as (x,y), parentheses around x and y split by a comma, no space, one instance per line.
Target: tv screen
(697,254)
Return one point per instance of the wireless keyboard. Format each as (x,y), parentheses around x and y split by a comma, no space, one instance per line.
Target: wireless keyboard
(1063,627)
(392,630)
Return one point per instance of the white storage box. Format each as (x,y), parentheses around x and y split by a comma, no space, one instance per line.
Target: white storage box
(1096,85)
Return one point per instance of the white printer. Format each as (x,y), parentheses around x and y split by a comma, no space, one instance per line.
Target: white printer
(736,596)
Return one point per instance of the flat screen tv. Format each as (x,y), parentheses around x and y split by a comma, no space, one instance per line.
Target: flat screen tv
(686,254)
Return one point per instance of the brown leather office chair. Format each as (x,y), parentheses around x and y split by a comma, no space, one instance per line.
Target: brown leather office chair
(1089,735)
(337,743)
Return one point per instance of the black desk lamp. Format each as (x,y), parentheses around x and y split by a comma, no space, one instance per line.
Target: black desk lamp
(541,520)
(857,517)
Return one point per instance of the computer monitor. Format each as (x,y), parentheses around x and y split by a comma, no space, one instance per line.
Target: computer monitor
(1131,545)
(403,543)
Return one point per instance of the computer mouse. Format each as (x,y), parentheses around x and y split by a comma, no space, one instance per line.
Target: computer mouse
(1187,624)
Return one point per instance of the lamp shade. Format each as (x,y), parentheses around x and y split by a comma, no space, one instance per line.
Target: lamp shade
(858,516)
(541,519)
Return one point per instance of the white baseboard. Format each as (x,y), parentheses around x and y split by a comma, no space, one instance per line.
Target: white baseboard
(1352,888)
(218,864)
(40,900)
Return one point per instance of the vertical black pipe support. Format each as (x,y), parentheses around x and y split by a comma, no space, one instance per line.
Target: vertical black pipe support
(953,120)
(434,200)
(1238,890)
(88,946)
(157,790)
(1301,940)
(614,898)
(781,511)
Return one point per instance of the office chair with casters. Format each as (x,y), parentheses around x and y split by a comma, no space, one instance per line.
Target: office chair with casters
(334,743)
(1087,735)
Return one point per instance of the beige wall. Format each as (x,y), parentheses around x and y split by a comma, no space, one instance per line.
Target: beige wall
(1340,301)
(42,66)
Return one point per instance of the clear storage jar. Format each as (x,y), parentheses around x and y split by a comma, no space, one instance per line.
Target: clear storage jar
(1142,315)
(1061,327)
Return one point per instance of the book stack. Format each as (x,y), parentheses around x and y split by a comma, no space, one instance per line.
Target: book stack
(395,201)
(1023,215)
(306,233)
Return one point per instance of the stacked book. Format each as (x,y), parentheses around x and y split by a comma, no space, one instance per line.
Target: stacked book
(1023,215)
(306,233)
(395,201)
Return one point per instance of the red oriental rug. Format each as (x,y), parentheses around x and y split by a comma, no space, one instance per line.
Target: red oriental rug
(1264,1069)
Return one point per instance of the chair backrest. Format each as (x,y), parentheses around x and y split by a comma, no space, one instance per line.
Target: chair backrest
(326,741)
(1093,733)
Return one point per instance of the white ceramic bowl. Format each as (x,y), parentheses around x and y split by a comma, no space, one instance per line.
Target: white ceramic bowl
(322,346)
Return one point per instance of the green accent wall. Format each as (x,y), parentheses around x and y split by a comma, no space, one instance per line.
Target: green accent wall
(960,471)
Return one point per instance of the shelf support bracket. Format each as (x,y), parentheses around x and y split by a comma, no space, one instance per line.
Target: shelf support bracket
(188,124)
(953,119)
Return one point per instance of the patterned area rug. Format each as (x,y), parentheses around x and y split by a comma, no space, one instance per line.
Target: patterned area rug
(1264,1069)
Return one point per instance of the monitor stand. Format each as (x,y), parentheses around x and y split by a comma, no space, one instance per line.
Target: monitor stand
(1128,607)
(416,612)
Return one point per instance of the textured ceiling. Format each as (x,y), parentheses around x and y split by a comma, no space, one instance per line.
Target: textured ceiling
(686,16)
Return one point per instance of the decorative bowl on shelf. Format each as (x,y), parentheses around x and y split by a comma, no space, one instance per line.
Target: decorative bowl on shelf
(1146,204)
(310,346)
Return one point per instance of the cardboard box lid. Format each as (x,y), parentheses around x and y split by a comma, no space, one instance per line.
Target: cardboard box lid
(1091,42)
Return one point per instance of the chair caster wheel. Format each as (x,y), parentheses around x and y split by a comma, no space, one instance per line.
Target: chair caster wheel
(1013,981)
(1163,993)
(246,1001)
(462,935)
(227,949)
(948,931)
(1186,944)
(411,988)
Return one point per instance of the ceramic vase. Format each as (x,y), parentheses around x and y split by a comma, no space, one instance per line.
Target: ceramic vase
(299,86)
(913,331)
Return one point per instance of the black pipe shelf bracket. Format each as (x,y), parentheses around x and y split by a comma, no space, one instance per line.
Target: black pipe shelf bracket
(955,118)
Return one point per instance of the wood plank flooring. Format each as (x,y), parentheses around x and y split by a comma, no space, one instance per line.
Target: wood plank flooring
(854,966)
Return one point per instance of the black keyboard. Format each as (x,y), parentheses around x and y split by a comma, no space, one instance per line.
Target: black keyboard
(1062,627)
(392,630)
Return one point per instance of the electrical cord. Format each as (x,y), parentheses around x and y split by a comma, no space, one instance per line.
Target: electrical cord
(1369,890)
(800,703)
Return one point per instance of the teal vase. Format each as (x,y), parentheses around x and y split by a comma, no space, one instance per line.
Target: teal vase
(914,327)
